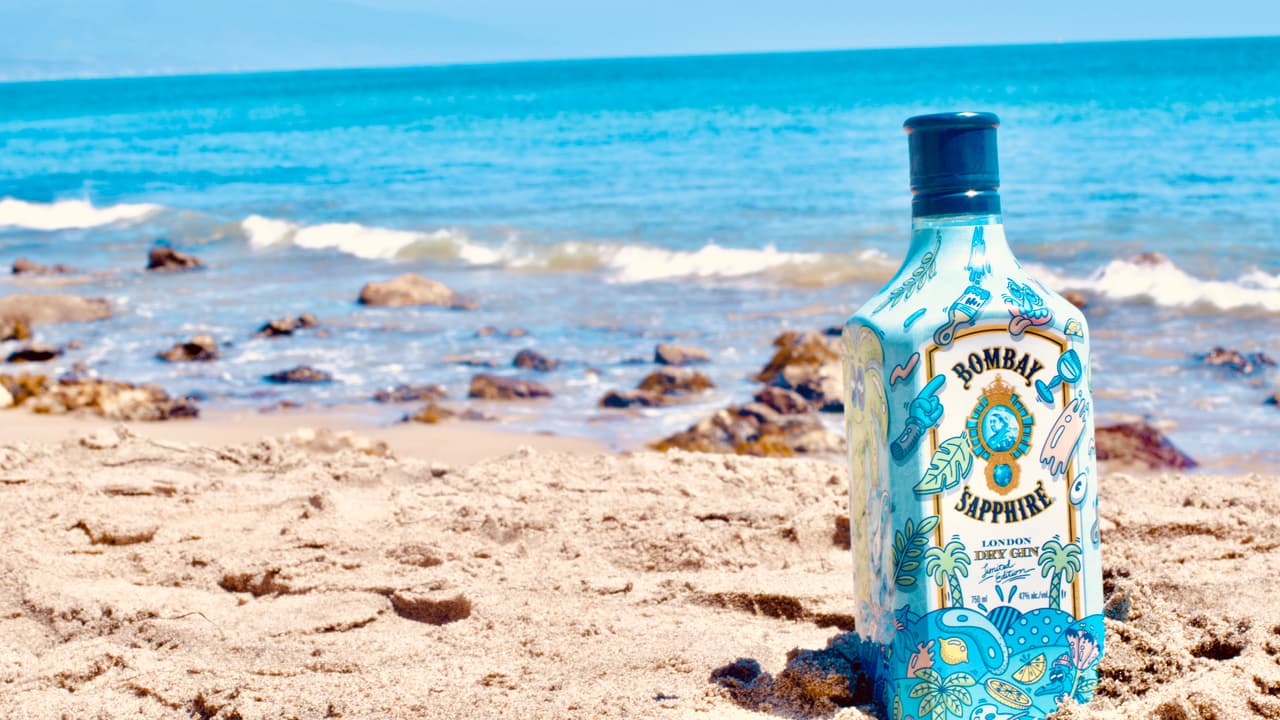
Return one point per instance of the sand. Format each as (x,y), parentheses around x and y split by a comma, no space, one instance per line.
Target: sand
(287,574)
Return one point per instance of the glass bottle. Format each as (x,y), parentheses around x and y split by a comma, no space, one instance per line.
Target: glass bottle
(972,476)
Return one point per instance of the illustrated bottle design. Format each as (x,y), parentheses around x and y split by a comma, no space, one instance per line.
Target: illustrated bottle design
(972,485)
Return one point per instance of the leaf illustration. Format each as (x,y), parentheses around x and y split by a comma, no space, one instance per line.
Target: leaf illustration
(951,463)
(926,271)
(908,548)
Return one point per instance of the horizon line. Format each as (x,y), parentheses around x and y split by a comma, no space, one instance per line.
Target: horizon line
(605,58)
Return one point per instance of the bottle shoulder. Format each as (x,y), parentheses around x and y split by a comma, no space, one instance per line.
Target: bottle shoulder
(932,307)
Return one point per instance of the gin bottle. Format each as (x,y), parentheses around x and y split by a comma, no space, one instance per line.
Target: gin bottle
(972,476)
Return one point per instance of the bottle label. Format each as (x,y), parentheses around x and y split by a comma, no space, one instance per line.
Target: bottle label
(1000,470)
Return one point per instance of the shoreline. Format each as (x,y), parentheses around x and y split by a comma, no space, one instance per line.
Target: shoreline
(458,442)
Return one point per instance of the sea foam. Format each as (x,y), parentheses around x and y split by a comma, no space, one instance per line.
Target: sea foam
(69,214)
(1157,279)
(619,262)
(368,242)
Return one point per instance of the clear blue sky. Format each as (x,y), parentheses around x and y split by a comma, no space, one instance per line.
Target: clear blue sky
(52,38)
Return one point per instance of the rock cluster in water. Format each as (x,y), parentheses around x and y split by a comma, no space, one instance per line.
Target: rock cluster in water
(106,398)
(662,387)
(164,257)
(201,348)
(287,325)
(801,378)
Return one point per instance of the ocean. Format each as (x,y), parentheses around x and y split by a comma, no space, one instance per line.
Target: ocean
(608,205)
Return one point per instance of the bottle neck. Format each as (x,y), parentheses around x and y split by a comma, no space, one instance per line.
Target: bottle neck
(969,241)
(955,201)
(928,222)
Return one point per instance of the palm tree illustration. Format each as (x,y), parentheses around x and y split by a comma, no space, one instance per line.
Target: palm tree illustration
(947,565)
(1059,563)
(942,697)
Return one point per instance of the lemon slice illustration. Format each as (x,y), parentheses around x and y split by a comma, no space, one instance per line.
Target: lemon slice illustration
(1008,694)
(1031,672)
(953,651)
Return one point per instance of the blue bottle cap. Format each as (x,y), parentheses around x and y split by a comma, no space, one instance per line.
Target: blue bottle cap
(954,164)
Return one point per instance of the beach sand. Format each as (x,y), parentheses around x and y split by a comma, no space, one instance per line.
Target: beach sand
(234,568)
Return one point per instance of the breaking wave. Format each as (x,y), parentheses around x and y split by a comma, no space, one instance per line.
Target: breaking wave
(621,263)
(69,214)
(1155,278)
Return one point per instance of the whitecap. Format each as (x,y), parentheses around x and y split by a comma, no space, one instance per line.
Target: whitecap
(69,214)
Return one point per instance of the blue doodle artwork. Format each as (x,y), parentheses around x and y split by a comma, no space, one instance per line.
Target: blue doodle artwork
(912,318)
(978,266)
(1010,664)
(1026,308)
(962,313)
(1073,329)
(1064,436)
(1070,370)
(923,412)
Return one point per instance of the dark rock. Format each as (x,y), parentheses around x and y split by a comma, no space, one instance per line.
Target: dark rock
(632,398)
(819,384)
(300,374)
(1235,361)
(287,325)
(1274,399)
(411,393)
(1138,443)
(534,360)
(49,309)
(755,429)
(799,349)
(23,266)
(411,289)
(786,402)
(809,364)
(14,330)
(669,354)
(431,414)
(492,387)
(675,381)
(164,257)
(201,348)
(25,386)
(1076,298)
(34,353)
(666,386)
(430,609)
(111,400)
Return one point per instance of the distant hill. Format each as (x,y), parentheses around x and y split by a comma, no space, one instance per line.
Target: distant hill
(66,38)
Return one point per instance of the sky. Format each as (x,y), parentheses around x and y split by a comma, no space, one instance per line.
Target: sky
(76,38)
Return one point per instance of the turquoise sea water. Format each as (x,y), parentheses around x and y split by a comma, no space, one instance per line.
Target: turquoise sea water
(609,205)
